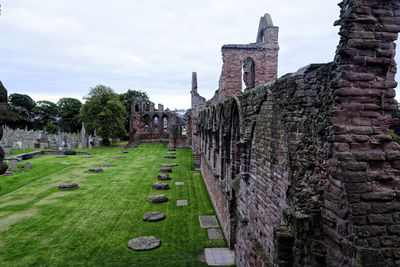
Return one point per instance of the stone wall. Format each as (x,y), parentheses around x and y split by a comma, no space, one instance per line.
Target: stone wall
(150,125)
(301,170)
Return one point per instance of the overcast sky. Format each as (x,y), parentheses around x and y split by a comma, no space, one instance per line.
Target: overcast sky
(51,49)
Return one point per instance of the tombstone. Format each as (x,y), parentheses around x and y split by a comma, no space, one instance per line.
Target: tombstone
(68,186)
(13,163)
(28,165)
(144,243)
(7,149)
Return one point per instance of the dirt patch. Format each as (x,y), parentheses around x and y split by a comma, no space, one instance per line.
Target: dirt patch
(6,222)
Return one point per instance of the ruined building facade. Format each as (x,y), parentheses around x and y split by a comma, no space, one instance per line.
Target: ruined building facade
(301,170)
(148,124)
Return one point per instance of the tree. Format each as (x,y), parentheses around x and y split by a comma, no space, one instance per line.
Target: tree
(22,100)
(127,98)
(45,111)
(104,112)
(68,110)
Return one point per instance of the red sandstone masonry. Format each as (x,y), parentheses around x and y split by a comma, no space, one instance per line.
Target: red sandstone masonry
(318,173)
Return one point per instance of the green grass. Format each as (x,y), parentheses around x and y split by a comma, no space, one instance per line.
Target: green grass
(91,226)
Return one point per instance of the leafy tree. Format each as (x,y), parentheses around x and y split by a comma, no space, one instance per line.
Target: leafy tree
(68,110)
(51,128)
(45,111)
(104,111)
(22,100)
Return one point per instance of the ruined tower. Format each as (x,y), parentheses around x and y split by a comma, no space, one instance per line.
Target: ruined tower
(257,61)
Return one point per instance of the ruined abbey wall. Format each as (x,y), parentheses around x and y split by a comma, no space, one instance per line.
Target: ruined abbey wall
(301,170)
(146,124)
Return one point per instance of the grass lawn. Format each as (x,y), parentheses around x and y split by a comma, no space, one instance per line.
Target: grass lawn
(91,226)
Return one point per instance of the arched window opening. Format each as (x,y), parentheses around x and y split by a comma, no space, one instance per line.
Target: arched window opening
(146,120)
(165,125)
(248,72)
(235,138)
(136,108)
(156,124)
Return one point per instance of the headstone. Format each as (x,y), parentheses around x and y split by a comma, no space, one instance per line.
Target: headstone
(171,153)
(61,156)
(171,149)
(68,186)
(106,164)
(95,170)
(179,183)
(170,157)
(196,173)
(160,186)
(144,243)
(117,157)
(182,202)
(169,164)
(88,157)
(153,216)
(13,163)
(7,149)
(208,221)
(8,172)
(163,177)
(28,165)
(157,199)
(214,233)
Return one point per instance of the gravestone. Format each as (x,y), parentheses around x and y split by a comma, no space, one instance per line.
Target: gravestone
(171,149)
(68,186)
(95,170)
(144,243)
(13,163)
(182,202)
(165,170)
(157,199)
(179,183)
(160,186)
(163,177)
(106,164)
(170,157)
(168,164)
(208,221)
(214,233)
(153,216)
(28,165)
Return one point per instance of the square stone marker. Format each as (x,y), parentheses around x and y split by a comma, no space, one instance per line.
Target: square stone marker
(214,233)
(196,173)
(179,183)
(208,221)
(197,169)
(219,256)
(181,202)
